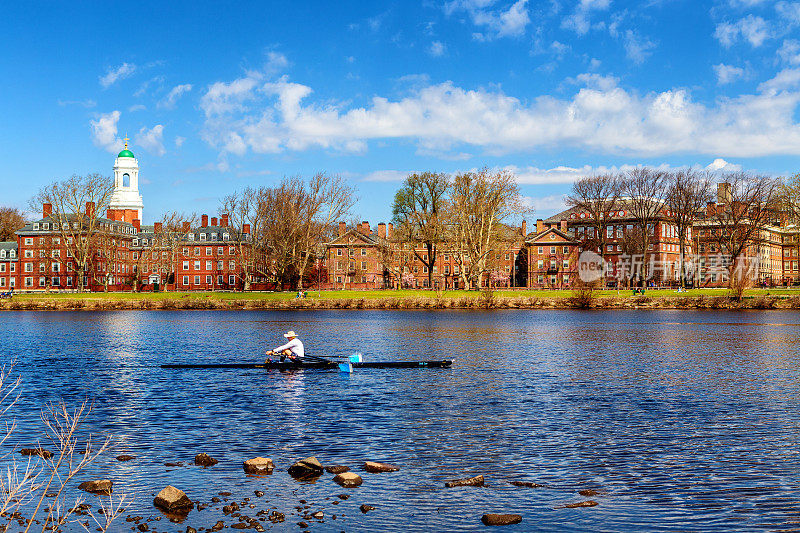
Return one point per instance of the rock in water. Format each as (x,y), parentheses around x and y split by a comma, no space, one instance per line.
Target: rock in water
(41,452)
(258,466)
(100,486)
(306,468)
(203,459)
(218,526)
(172,499)
(589,492)
(476,481)
(528,484)
(348,479)
(492,519)
(125,457)
(366,508)
(190,529)
(336,469)
(376,468)
(587,503)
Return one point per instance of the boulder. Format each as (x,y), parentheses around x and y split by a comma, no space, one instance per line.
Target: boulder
(376,468)
(258,466)
(587,503)
(494,519)
(366,508)
(336,469)
(348,479)
(203,459)
(124,457)
(218,526)
(190,529)
(41,452)
(528,484)
(99,486)
(171,499)
(259,493)
(589,492)
(306,468)
(476,481)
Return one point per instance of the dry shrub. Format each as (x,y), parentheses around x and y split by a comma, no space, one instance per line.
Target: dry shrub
(763,302)
(583,295)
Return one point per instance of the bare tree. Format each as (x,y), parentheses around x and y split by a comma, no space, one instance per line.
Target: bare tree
(168,243)
(479,205)
(323,201)
(76,202)
(645,190)
(246,208)
(598,197)
(688,193)
(418,211)
(747,203)
(11,220)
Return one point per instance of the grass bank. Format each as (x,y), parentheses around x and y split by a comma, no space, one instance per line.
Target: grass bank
(410,299)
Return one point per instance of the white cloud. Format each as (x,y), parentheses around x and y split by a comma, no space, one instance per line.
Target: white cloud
(545,205)
(387,175)
(152,140)
(788,78)
(579,20)
(179,141)
(720,164)
(728,73)
(746,3)
(789,52)
(277,116)
(754,30)
(499,23)
(168,102)
(115,74)
(83,103)
(137,107)
(437,49)
(104,132)
(637,48)
(789,11)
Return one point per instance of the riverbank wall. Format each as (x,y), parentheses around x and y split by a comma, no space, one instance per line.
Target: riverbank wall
(432,303)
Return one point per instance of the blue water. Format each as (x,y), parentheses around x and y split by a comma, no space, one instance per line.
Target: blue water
(685,420)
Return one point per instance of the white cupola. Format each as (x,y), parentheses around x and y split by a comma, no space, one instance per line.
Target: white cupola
(126,183)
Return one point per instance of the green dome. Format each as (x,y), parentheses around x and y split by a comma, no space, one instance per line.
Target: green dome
(125,153)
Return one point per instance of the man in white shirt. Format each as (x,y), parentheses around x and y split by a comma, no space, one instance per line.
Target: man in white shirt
(293,349)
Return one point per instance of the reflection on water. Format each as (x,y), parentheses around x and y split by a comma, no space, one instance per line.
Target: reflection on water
(687,420)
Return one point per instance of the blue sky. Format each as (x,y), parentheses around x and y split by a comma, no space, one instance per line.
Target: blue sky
(215,100)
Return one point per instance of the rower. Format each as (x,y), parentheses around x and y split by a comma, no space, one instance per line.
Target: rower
(293,349)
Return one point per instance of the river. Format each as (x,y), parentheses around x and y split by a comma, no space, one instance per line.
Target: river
(684,420)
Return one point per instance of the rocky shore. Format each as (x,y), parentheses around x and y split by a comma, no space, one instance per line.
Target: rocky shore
(421,302)
(173,509)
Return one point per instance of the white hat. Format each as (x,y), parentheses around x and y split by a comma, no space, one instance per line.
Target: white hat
(289,334)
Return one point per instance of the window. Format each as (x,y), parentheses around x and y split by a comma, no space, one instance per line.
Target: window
(2,267)
(28,253)
(220,250)
(197,265)
(46,226)
(185,280)
(455,269)
(231,250)
(42,281)
(565,263)
(350,253)
(35,225)
(56,267)
(231,279)
(540,264)
(29,282)
(202,236)
(209,265)
(186,265)
(363,265)
(220,266)
(339,252)
(552,250)
(232,265)
(56,281)
(363,252)
(446,270)
(209,251)
(226,236)
(541,250)
(197,280)
(208,280)
(2,282)
(29,241)
(28,267)
(69,281)
(196,250)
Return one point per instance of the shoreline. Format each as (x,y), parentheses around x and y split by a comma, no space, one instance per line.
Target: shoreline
(399,303)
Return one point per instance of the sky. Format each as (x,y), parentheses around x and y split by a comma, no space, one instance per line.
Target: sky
(216,100)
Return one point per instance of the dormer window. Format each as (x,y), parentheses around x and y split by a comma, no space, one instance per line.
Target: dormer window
(191,236)
(226,236)
(12,254)
(136,242)
(2,254)
(202,236)
(36,226)
(46,226)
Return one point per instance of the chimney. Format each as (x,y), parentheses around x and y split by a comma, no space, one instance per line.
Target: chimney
(204,221)
(47,210)
(213,221)
(137,224)
(90,209)
(246,229)
(524,228)
(365,227)
(711,209)
(110,214)
(539,225)
(224,220)
(186,227)
(157,227)
(342,228)
(563,225)
(389,230)
(724,193)
(382,230)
